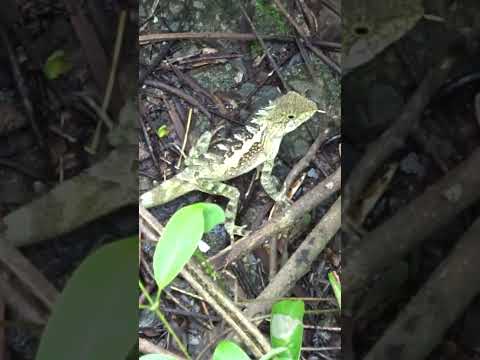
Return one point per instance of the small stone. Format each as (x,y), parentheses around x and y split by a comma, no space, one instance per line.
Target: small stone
(198,5)
(312,173)
(453,193)
(412,165)
(176,7)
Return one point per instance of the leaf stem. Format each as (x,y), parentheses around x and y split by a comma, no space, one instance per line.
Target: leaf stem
(154,306)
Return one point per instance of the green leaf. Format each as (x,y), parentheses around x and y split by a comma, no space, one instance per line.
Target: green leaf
(94,316)
(180,239)
(156,357)
(212,215)
(336,286)
(274,352)
(162,131)
(228,350)
(286,328)
(56,65)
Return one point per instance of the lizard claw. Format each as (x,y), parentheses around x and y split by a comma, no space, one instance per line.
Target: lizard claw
(283,201)
(237,230)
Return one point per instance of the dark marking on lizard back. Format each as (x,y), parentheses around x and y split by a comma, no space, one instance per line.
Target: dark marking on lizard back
(246,158)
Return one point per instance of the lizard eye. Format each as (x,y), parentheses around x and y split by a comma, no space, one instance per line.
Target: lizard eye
(291,116)
(361,30)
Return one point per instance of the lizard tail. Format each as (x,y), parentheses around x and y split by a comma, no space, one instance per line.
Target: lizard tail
(165,192)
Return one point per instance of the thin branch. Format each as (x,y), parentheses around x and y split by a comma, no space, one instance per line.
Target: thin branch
(306,203)
(160,37)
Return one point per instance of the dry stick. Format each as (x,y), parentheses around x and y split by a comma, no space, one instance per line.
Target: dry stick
(92,148)
(394,137)
(159,37)
(22,87)
(193,273)
(16,300)
(93,50)
(147,347)
(301,260)
(306,203)
(272,61)
(192,101)
(148,142)
(3,347)
(299,30)
(248,332)
(437,305)
(436,207)
(301,165)
(28,275)
(477,108)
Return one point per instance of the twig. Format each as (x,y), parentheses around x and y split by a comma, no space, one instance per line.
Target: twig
(3,347)
(300,32)
(22,87)
(301,260)
(92,148)
(437,206)
(252,337)
(477,108)
(159,37)
(191,100)
(281,222)
(272,61)
(141,121)
(185,137)
(425,314)
(147,347)
(20,302)
(304,162)
(93,50)
(23,169)
(33,280)
(394,137)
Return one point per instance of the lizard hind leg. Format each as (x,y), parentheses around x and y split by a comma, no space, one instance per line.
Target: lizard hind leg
(233,196)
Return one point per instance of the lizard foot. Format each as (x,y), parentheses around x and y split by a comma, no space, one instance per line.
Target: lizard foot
(237,230)
(283,201)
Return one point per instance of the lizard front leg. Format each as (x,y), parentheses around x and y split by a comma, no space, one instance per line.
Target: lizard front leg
(233,196)
(271,184)
(201,146)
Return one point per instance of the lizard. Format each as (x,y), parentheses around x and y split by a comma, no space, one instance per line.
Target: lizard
(257,144)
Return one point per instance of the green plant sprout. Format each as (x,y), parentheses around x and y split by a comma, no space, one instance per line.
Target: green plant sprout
(267,15)
(336,286)
(176,246)
(162,131)
(56,65)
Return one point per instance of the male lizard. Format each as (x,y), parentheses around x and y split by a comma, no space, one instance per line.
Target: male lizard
(257,144)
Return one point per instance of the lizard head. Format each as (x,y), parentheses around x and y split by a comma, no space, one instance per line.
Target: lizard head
(290,111)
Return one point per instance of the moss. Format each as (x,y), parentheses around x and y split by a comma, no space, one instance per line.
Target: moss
(269,18)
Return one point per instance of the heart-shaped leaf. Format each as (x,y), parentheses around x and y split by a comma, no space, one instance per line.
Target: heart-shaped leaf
(180,239)
(94,317)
